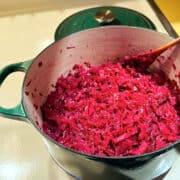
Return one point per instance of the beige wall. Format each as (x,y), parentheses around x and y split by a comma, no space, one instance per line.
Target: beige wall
(10,7)
(171,8)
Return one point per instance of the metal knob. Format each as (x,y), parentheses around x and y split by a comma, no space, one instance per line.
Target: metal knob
(104,16)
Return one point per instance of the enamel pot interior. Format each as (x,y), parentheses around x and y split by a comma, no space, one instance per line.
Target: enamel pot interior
(95,46)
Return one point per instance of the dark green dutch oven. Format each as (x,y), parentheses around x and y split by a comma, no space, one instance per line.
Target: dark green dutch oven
(102,16)
(95,46)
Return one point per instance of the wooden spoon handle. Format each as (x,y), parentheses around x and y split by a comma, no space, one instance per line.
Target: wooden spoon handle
(167,46)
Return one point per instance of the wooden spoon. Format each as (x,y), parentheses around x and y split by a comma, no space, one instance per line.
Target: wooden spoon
(144,60)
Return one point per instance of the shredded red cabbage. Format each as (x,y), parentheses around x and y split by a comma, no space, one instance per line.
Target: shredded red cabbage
(112,110)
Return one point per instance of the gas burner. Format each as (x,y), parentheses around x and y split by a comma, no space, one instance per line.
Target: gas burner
(151,170)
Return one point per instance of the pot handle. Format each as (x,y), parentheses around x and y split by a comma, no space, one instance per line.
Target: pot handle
(16,112)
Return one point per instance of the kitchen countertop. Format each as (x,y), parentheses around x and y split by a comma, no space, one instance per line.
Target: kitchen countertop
(23,155)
